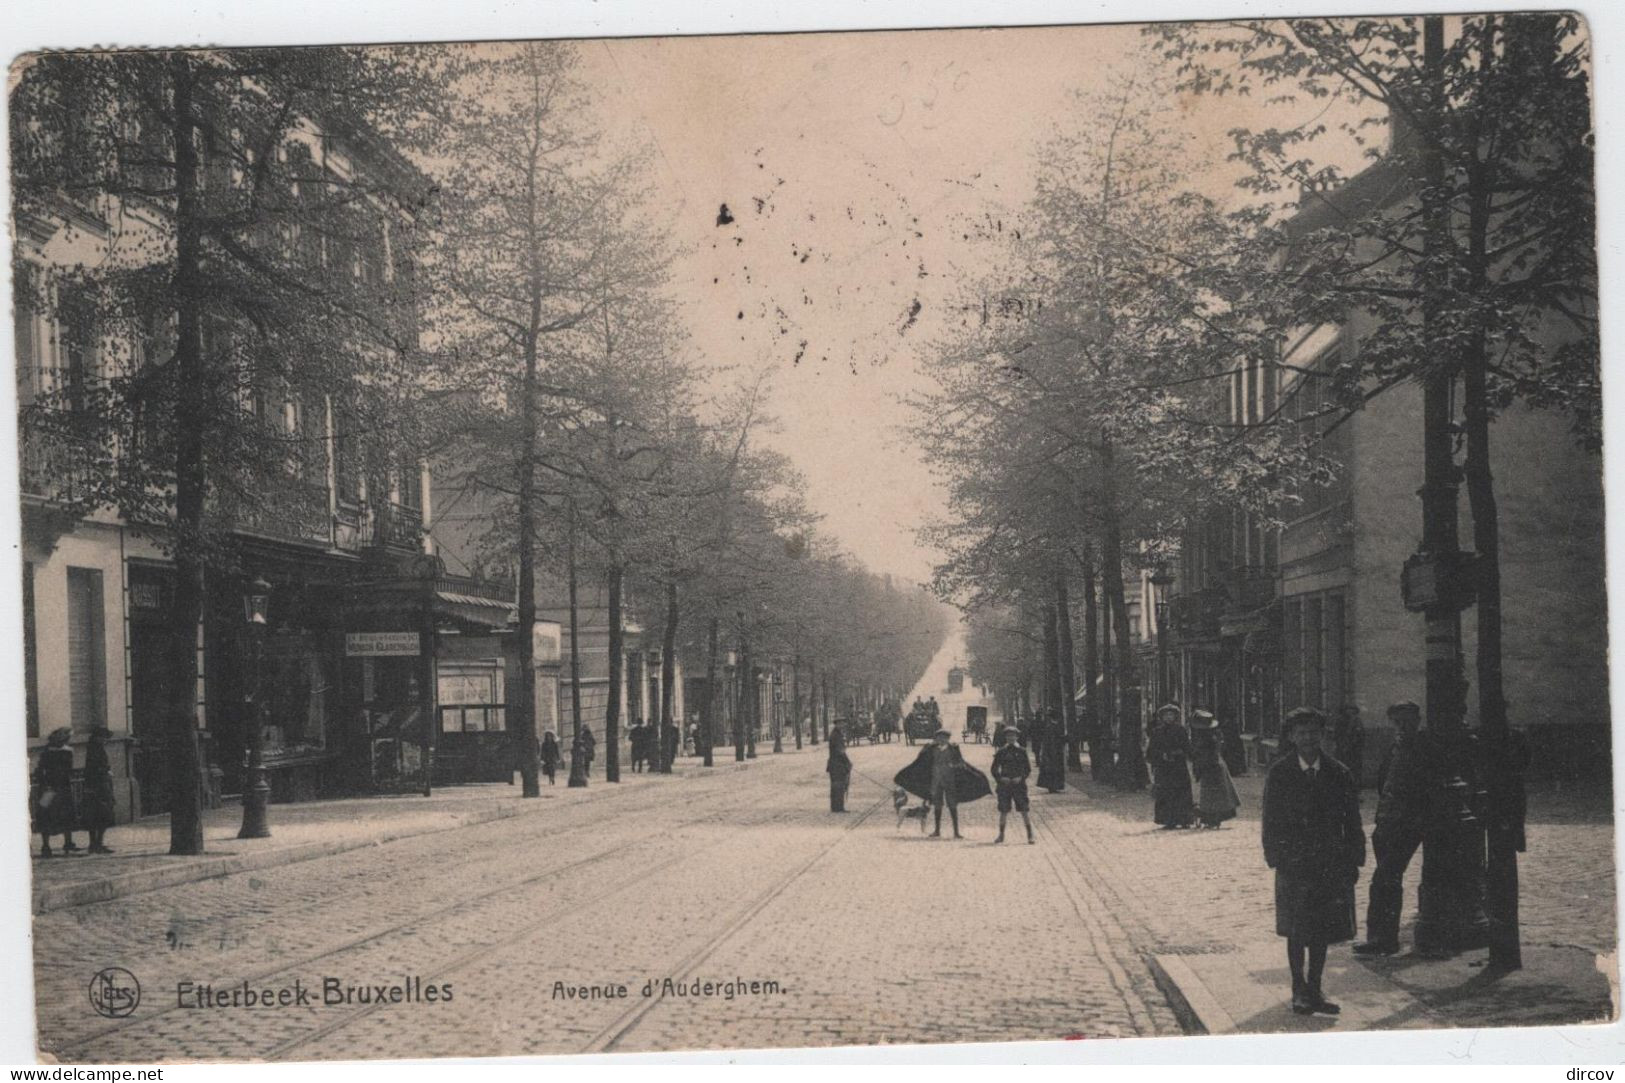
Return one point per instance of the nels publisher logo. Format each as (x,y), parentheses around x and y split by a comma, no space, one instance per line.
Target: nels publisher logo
(114,992)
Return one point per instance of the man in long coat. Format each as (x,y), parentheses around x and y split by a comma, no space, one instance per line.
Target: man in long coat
(940,775)
(1314,841)
(839,767)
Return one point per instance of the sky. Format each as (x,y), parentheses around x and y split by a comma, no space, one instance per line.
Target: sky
(852,166)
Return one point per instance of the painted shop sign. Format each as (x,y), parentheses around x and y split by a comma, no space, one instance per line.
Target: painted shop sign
(381,644)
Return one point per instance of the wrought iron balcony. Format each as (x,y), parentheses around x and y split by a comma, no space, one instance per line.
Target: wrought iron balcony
(1250,587)
(62,469)
(1195,616)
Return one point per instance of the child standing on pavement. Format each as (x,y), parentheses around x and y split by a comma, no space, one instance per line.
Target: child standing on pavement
(1010,770)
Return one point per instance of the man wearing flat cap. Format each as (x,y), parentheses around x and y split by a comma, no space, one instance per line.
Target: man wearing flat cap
(939,774)
(1314,841)
(1397,833)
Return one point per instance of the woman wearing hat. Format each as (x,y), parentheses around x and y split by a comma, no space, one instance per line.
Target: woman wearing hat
(1169,752)
(53,793)
(1216,797)
(98,810)
(551,756)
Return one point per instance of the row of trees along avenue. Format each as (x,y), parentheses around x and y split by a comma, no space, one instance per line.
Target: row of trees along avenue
(521,339)
(1087,419)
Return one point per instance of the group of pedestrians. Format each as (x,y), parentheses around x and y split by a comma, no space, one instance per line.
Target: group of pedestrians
(1178,757)
(653,746)
(51,800)
(940,776)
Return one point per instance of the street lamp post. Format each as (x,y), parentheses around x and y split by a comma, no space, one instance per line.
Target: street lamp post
(257,792)
(1161,580)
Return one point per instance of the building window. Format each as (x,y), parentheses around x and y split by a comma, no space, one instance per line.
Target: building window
(30,653)
(470,697)
(87,650)
(1317,672)
(411,487)
(297,684)
(76,340)
(25,309)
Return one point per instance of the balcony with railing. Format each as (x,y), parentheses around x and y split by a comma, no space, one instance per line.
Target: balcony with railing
(1249,587)
(1195,616)
(62,468)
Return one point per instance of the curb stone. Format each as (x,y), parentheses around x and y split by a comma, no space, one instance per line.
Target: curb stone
(1196,1008)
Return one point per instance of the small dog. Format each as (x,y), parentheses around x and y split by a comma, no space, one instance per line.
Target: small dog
(899,800)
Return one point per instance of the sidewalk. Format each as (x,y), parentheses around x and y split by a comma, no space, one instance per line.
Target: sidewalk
(299,832)
(1205,903)
(1247,992)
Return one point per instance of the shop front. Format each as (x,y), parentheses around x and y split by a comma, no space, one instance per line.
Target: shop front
(369,676)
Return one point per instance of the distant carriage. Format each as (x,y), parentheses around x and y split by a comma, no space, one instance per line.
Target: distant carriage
(975,725)
(919,725)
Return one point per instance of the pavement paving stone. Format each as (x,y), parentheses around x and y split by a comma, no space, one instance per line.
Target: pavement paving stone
(873,932)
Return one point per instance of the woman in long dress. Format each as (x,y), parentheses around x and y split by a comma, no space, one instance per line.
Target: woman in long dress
(52,796)
(550,756)
(1168,752)
(99,802)
(1216,797)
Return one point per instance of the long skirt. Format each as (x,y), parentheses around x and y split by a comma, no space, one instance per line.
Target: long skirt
(98,810)
(1175,806)
(1318,909)
(839,782)
(53,811)
(1216,798)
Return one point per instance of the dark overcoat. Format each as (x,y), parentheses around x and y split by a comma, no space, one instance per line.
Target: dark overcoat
(97,813)
(969,783)
(52,792)
(1216,797)
(1168,753)
(1314,841)
(839,764)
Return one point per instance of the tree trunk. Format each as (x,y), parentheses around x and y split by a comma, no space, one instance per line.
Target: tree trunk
(1131,771)
(1100,754)
(186,607)
(668,679)
(814,690)
(612,710)
(742,717)
(1450,911)
(522,708)
(709,730)
(575,631)
(824,704)
(1069,676)
(795,698)
(1052,662)
(778,721)
(1503,781)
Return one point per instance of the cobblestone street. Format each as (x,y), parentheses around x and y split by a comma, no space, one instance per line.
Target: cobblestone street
(873,932)
(740,874)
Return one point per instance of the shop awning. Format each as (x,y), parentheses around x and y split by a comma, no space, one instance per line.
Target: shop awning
(488,613)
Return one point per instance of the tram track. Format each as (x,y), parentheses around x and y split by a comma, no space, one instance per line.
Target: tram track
(456,907)
(563,914)
(612,1035)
